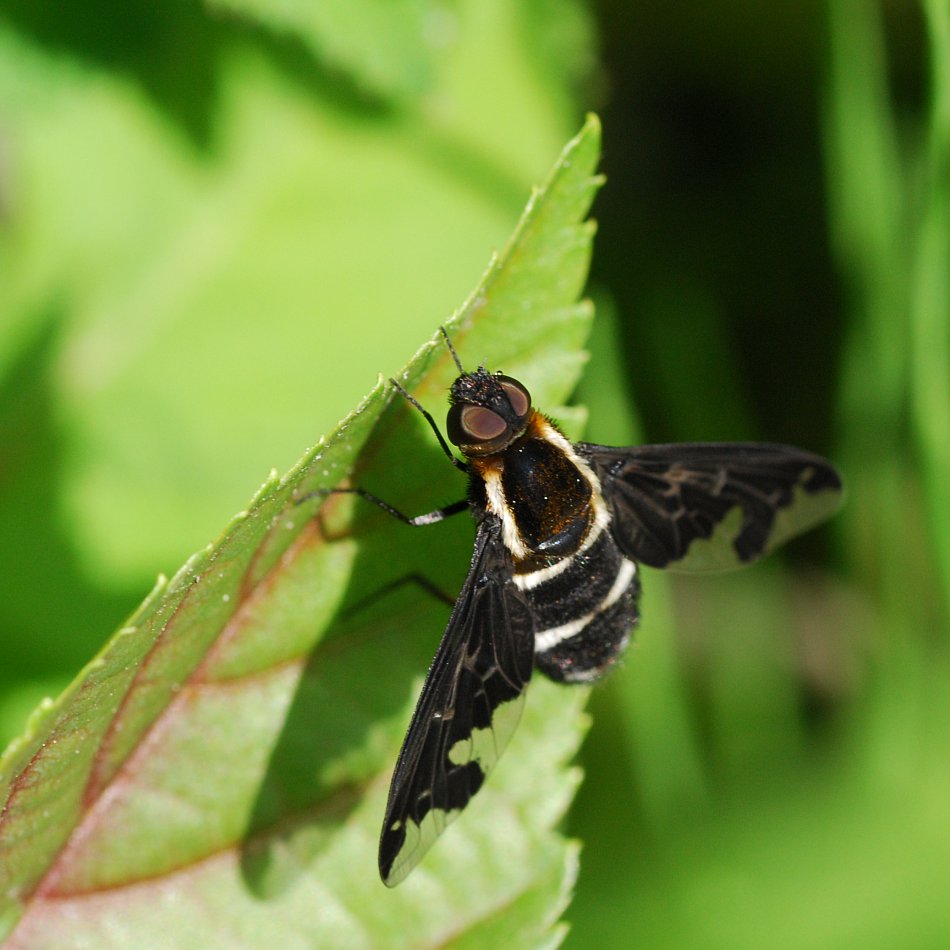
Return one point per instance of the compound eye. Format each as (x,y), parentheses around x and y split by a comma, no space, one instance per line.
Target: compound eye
(481,424)
(517,395)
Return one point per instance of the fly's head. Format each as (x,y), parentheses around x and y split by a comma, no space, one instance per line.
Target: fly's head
(488,412)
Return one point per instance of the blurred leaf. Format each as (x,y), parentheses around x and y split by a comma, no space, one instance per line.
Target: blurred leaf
(930,305)
(382,45)
(161,258)
(216,775)
(168,51)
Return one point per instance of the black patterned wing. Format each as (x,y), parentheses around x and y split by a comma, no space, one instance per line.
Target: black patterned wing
(469,707)
(711,506)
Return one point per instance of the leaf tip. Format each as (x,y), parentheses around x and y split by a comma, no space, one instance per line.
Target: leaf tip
(591,125)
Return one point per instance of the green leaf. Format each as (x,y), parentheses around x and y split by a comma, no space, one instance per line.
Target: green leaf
(216,775)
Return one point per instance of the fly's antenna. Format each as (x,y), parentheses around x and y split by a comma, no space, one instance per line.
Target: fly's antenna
(448,343)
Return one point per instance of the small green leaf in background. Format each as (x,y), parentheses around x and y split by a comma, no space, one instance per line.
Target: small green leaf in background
(216,775)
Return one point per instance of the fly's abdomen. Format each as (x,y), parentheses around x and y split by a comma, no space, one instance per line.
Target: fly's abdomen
(585,607)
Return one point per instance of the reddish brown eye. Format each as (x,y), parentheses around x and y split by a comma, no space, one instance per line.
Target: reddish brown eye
(482,424)
(517,395)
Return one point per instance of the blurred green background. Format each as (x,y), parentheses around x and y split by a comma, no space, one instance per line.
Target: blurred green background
(218,221)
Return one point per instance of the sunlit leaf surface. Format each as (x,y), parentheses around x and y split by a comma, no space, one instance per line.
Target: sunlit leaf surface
(220,766)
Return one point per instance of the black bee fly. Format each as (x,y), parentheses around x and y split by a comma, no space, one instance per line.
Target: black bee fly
(561,528)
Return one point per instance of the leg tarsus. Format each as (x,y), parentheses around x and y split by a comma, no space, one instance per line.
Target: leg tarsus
(430,517)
